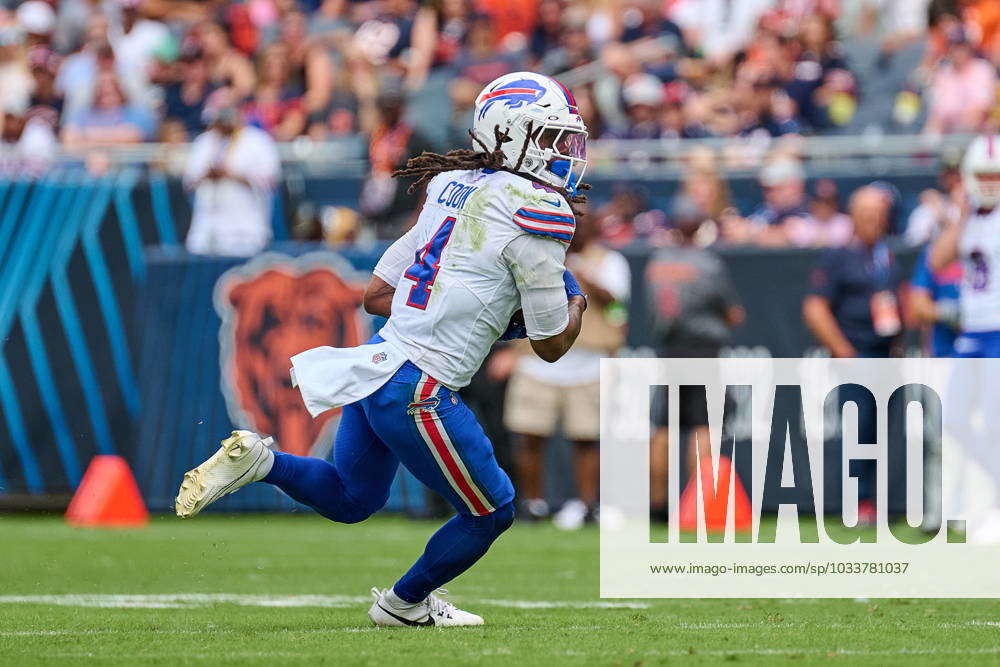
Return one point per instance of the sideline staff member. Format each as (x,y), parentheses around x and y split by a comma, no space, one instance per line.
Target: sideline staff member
(853,307)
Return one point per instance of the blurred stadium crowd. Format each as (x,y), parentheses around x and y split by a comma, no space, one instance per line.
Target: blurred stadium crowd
(78,74)
(140,70)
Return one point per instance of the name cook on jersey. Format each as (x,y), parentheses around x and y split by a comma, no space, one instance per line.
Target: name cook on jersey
(454,195)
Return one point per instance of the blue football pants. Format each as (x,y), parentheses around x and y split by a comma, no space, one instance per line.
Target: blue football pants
(415,420)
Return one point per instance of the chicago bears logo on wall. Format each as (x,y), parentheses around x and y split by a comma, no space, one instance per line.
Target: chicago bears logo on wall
(272,308)
(514,95)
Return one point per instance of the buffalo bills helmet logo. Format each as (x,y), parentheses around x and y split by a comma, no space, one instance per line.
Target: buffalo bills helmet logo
(514,95)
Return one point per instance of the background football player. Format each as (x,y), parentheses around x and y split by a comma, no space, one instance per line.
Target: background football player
(485,259)
(975,240)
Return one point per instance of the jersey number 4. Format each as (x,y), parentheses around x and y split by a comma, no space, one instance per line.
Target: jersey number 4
(427,263)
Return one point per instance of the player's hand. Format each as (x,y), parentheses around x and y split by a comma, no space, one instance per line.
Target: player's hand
(573,288)
(516,328)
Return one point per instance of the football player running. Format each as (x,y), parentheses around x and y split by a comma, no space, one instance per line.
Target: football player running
(485,260)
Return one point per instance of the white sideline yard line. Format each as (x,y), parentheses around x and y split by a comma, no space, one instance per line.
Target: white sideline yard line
(161,631)
(723,653)
(186,600)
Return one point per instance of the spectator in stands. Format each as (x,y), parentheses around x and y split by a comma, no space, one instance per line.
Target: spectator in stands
(825,226)
(893,23)
(618,64)
(135,39)
(695,309)
(574,49)
(462,93)
(643,19)
(340,118)
(643,97)
(232,170)
(821,84)
(44,96)
(440,31)
(785,202)
(184,100)
(541,396)
(478,60)
(691,224)
(276,105)
(15,76)
(38,20)
(763,106)
(310,70)
(175,138)
(227,67)
(982,17)
(546,35)
(853,306)
(628,217)
(27,144)
(936,208)
(110,120)
(704,185)
(719,27)
(384,200)
(587,107)
(79,74)
(963,89)
(385,38)
(513,20)
(330,25)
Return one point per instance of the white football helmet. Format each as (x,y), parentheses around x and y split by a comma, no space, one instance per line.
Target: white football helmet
(557,147)
(981,171)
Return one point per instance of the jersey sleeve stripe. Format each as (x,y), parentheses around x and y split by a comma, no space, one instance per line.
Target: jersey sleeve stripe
(554,224)
(549,216)
(562,234)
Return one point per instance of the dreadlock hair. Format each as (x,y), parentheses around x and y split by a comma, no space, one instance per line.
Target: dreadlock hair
(427,165)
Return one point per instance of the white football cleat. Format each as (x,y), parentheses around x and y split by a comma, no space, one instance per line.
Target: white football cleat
(431,612)
(242,458)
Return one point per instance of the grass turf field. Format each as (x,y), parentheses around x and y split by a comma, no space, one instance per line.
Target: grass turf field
(266,589)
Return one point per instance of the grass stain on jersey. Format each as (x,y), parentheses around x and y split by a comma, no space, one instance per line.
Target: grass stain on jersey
(533,198)
(521,277)
(472,219)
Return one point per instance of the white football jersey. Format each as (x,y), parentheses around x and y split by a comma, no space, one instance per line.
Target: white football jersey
(979,249)
(486,244)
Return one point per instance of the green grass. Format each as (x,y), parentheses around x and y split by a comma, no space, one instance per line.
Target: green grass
(303,555)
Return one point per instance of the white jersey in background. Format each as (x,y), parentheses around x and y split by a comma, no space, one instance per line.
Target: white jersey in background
(979,249)
(486,244)
(232,216)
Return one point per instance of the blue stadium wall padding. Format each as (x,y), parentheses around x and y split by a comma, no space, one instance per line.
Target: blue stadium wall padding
(72,255)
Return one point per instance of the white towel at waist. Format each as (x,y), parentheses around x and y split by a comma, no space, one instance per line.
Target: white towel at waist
(330,377)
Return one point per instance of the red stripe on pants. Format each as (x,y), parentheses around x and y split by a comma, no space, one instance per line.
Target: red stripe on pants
(430,424)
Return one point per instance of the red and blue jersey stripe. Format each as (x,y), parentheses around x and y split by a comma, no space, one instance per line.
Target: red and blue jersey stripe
(559,226)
